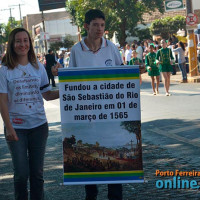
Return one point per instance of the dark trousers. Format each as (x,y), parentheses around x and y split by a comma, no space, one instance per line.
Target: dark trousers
(114,192)
(28,159)
(173,70)
(51,77)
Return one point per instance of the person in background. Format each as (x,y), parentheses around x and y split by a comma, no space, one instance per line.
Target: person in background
(139,50)
(159,65)
(128,53)
(181,60)
(136,61)
(133,48)
(165,59)
(50,61)
(61,59)
(198,55)
(66,60)
(146,50)
(25,123)
(152,69)
(171,46)
(121,51)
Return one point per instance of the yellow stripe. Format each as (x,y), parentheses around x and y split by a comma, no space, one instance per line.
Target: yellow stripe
(115,172)
(95,79)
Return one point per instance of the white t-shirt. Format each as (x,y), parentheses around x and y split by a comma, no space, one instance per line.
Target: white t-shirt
(128,53)
(107,55)
(139,50)
(181,54)
(173,52)
(24,86)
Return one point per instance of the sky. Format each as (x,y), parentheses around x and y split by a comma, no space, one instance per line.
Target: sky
(27,7)
(92,132)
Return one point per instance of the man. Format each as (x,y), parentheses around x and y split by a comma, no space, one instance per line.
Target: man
(139,51)
(95,51)
(128,53)
(50,61)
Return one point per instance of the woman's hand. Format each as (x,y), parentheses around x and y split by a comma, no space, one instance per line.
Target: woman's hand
(149,68)
(158,62)
(54,69)
(11,134)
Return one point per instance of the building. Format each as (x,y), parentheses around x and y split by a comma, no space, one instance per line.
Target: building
(149,18)
(48,28)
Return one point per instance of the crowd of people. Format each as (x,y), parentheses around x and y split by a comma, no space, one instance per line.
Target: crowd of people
(143,53)
(159,58)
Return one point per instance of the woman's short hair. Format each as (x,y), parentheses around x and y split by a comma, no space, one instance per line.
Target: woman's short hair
(93,14)
(10,58)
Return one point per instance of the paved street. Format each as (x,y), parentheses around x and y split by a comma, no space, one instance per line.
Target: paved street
(171,140)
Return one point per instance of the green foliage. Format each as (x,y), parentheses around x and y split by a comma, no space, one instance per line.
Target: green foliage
(132,127)
(67,43)
(56,46)
(122,16)
(12,24)
(143,34)
(167,26)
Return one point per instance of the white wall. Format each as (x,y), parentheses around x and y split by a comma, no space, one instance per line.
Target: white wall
(60,27)
(196,4)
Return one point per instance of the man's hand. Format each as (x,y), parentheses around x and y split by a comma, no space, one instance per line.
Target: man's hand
(54,69)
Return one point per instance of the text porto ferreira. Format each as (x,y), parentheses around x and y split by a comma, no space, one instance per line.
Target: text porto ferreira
(178,179)
(97,101)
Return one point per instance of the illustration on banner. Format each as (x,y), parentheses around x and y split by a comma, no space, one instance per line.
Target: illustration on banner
(99,147)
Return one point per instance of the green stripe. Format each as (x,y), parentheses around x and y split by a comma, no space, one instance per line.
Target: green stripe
(97,76)
(102,175)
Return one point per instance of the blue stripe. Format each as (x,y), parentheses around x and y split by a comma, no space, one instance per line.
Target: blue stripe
(95,72)
(102,179)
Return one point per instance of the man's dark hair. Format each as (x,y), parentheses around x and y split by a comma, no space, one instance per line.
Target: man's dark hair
(49,51)
(93,14)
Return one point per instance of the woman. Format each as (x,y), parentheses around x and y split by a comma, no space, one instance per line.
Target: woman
(181,60)
(165,59)
(152,69)
(136,61)
(23,84)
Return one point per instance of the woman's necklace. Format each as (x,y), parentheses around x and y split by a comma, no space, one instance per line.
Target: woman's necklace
(24,73)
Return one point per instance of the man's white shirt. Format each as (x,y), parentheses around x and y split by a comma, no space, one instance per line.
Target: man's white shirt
(107,55)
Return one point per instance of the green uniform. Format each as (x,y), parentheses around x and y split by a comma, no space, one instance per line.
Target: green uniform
(164,56)
(150,59)
(135,61)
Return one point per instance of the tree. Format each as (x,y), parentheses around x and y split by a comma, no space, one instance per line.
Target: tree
(143,34)
(122,16)
(132,127)
(68,42)
(167,26)
(56,46)
(12,24)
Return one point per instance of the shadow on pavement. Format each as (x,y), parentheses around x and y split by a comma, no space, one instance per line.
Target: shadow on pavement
(165,147)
